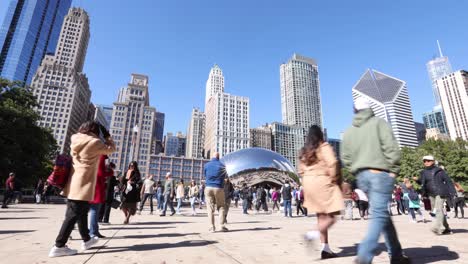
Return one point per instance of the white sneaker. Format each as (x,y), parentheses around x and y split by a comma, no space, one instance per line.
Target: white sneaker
(63,251)
(88,244)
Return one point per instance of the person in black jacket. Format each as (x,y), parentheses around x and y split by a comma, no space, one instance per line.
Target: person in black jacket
(436,184)
(287,197)
(111,182)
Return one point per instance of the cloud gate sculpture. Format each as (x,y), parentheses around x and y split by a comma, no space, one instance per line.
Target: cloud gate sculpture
(257,165)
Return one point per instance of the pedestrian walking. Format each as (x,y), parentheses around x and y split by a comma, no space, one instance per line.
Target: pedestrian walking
(414,204)
(436,184)
(245,195)
(38,191)
(286,192)
(236,196)
(215,172)
(363,203)
(398,199)
(99,197)
(371,152)
(318,167)
(9,189)
(193,194)
(86,148)
(111,182)
(404,195)
(300,202)
(147,192)
(347,192)
(179,196)
(459,200)
(275,199)
(47,192)
(228,194)
(131,191)
(202,195)
(169,191)
(160,196)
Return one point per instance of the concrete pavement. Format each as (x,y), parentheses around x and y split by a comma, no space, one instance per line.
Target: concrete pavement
(27,232)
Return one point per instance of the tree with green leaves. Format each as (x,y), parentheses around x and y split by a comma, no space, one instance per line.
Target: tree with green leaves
(26,148)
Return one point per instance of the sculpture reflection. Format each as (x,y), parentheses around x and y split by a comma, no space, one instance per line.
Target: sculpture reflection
(257,165)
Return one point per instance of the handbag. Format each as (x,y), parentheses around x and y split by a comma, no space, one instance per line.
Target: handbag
(115,204)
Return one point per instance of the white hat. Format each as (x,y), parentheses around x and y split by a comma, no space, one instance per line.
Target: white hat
(428,157)
(361,103)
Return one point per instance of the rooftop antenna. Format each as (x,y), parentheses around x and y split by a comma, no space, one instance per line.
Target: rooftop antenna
(440,50)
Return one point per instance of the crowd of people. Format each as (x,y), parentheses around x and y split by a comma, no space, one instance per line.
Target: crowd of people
(369,151)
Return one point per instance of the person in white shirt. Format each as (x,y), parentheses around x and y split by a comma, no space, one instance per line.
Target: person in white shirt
(147,191)
(363,203)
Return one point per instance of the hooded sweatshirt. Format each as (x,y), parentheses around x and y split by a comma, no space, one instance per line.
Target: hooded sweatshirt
(85,151)
(369,143)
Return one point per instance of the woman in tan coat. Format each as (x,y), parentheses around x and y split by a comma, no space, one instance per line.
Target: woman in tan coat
(86,148)
(322,194)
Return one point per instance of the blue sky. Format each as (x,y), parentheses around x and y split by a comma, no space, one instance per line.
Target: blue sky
(176,43)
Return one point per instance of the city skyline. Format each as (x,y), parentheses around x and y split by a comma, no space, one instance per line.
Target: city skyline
(251,63)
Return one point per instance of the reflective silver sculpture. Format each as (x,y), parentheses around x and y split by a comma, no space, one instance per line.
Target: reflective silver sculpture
(257,165)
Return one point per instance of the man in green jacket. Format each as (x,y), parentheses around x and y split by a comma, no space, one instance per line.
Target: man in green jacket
(371,152)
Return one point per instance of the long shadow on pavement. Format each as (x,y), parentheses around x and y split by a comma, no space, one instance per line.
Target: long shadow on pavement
(21,218)
(136,228)
(147,247)
(430,255)
(254,229)
(17,211)
(456,231)
(247,222)
(155,235)
(418,255)
(159,223)
(2,232)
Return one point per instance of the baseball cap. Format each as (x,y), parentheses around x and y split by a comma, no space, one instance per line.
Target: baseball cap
(428,157)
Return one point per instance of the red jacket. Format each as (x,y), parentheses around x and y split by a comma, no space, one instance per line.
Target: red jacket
(102,175)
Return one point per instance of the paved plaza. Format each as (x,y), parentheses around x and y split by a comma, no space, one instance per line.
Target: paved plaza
(27,232)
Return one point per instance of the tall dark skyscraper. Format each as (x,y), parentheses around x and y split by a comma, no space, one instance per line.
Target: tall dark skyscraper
(159,126)
(29,31)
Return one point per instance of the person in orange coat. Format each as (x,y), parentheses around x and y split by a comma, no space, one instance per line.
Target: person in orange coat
(320,178)
(99,196)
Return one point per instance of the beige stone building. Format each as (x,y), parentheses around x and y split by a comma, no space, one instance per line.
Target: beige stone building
(60,85)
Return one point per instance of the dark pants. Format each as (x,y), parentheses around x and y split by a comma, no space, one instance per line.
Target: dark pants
(106,214)
(77,212)
(400,207)
(363,208)
(300,208)
(6,196)
(459,203)
(405,206)
(245,205)
(168,202)
(275,205)
(145,197)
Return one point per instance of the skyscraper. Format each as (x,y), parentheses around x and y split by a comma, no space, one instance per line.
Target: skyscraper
(159,129)
(30,30)
(60,86)
(227,124)
(175,145)
(215,82)
(453,90)
(226,117)
(438,68)
(132,125)
(287,140)
(196,134)
(300,92)
(261,137)
(390,101)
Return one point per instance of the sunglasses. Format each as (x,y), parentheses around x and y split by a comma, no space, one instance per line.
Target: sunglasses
(427,160)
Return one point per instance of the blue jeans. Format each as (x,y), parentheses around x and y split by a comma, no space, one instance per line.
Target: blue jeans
(245,206)
(287,208)
(160,198)
(93,222)
(179,204)
(168,202)
(379,188)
